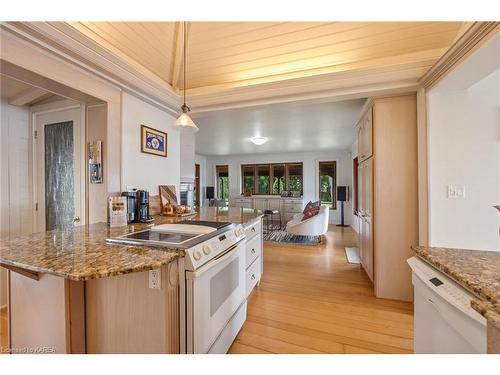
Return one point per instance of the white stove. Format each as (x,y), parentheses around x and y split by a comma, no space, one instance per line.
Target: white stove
(212,279)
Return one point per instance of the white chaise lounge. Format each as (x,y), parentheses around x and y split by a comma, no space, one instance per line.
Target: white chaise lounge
(314,226)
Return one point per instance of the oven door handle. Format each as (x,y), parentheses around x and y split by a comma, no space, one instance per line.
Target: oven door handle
(223,258)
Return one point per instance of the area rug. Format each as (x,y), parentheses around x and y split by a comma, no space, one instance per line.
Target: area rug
(283,237)
(352,255)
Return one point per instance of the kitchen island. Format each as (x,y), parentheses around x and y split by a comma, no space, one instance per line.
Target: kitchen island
(478,272)
(71,292)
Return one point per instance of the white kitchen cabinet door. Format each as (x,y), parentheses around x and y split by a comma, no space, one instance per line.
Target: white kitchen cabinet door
(260,204)
(274,204)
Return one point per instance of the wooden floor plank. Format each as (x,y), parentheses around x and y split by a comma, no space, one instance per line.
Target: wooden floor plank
(311,300)
(239,348)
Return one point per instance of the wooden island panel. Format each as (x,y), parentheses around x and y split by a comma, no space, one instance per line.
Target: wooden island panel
(125,316)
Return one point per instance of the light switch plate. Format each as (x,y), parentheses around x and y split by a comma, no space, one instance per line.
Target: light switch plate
(456,191)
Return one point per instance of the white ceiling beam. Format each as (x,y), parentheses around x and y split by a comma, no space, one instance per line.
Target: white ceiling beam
(177,57)
(27,96)
(176,54)
(71,45)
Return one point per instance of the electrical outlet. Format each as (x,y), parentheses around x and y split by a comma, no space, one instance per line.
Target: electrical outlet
(456,191)
(154,279)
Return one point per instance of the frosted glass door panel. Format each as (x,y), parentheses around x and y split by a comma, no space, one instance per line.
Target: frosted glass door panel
(59,176)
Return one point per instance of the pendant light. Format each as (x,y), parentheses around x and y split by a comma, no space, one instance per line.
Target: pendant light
(184,121)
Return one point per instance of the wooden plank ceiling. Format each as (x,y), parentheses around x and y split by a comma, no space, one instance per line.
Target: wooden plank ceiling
(237,54)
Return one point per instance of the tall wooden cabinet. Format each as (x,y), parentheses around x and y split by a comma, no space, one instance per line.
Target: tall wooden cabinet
(365,173)
(387,193)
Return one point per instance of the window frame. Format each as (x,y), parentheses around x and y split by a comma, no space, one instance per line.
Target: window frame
(334,187)
(270,166)
(218,168)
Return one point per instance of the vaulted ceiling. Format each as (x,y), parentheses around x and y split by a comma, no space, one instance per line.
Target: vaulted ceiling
(246,64)
(224,55)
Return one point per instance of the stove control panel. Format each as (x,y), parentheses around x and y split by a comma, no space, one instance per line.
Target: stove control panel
(202,253)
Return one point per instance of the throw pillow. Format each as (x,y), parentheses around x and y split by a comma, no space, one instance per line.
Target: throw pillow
(316,204)
(308,207)
(310,213)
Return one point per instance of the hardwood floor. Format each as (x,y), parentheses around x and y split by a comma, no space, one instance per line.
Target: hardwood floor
(311,300)
(3,330)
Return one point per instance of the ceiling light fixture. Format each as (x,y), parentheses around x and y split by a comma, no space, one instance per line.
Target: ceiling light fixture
(259,141)
(184,121)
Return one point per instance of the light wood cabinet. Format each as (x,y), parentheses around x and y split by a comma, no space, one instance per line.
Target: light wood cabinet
(365,136)
(365,176)
(366,245)
(387,194)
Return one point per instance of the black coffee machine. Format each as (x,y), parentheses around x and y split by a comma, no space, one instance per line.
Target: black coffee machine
(143,207)
(137,206)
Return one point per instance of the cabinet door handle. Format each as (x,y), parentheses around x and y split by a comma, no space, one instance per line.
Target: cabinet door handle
(253,276)
(253,229)
(253,251)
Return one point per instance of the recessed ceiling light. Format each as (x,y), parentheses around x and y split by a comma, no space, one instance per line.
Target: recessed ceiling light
(259,141)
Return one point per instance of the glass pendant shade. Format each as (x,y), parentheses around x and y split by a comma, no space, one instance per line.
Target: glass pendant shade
(184,121)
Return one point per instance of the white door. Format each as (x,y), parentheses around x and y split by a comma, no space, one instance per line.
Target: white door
(59,168)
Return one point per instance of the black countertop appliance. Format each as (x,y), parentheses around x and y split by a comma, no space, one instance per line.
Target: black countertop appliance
(131,205)
(143,207)
(137,206)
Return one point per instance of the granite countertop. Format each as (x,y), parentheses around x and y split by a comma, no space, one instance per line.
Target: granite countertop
(81,253)
(477,271)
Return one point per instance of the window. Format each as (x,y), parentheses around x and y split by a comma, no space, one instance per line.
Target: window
(248,173)
(278,178)
(328,183)
(294,177)
(222,172)
(272,178)
(262,179)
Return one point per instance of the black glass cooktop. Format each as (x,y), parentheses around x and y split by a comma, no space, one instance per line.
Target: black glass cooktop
(212,224)
(170,237)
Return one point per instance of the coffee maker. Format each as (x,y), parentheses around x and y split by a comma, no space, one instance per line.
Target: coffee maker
(137,206)
(131,205)
(143,207)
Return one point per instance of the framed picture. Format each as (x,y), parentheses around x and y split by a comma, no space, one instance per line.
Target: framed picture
(153,141)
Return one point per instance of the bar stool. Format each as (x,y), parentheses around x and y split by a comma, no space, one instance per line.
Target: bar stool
(269,217)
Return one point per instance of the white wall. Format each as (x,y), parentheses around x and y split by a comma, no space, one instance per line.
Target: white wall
(98,193)
(142,170)
(15,191)
(310,164)
(464,149)
(187,158)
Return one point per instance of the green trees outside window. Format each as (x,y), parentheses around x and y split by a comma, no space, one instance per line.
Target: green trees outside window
(328,184)
(222,172)
(272,178)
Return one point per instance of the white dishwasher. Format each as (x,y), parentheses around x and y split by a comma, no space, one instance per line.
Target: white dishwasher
(444,321)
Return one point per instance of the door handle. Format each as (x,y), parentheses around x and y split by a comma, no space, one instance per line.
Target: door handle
(76,219)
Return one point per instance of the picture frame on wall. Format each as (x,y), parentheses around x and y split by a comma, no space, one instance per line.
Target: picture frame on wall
(153,141)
